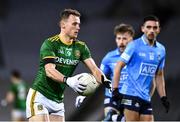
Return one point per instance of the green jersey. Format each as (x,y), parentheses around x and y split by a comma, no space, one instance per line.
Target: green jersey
(20,91)
(66,58)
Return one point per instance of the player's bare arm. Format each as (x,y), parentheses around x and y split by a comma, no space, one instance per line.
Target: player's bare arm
(119,66)
(153,88)
(52,73)
(160,83)
(98,74)
(10,97)
(94,69)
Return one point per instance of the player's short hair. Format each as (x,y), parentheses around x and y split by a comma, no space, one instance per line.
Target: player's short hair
(151,18)
(123,28)
(67,12)
(15,73)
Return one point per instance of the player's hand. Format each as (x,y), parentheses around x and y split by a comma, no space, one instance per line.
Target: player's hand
(106,82)
(116,96)
(165,103)
(79,100)
(74,83)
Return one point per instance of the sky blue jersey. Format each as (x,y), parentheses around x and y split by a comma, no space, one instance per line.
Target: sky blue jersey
(142,61)
(107,66)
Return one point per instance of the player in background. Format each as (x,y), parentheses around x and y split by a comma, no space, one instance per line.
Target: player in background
(113,110)
(59,56)
(17,96)
(144,59)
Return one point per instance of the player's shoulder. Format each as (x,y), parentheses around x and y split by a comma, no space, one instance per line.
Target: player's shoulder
(78,42)
(110,54)
(52,38)
(160,46)
(137,41)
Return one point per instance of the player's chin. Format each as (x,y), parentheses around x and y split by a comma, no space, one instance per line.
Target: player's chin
(151,36)
(122,49)
(75,36)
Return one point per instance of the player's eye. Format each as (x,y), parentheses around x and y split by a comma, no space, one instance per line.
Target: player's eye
(155,27)
(149,27)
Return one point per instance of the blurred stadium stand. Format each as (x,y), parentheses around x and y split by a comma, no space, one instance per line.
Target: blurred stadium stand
(29,22)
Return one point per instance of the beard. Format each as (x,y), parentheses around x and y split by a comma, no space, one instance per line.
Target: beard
(151,37)
(122,48)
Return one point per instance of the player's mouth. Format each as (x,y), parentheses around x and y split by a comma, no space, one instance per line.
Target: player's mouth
(151,36)
(76,32)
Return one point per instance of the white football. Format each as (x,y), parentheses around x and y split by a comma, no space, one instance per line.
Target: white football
(90,81)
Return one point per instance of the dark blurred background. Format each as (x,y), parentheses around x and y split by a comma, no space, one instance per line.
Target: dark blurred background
(24,24)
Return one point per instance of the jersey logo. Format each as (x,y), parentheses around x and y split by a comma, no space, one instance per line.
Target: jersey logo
(65,51)
(147,69)
(77,53)
(141,54)
(40,107)
(137,105)
(66,61)
(126,102)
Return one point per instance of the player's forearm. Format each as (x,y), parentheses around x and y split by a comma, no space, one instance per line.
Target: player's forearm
(160,85)
(117,74)
(94,69)
(97,74)
(9,97)
(153,87)
(52,73)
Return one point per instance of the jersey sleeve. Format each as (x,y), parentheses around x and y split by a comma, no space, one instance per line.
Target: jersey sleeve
(85,53)
(47,52)
(104,66)
(128,52)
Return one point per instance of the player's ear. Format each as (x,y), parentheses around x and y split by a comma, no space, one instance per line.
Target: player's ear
(142,28)
(62,24)
(159,30)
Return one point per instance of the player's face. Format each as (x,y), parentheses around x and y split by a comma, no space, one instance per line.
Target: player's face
(151,29)
(122,39)
(72,26)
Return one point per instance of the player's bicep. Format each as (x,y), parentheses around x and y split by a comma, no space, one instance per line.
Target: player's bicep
(49,67)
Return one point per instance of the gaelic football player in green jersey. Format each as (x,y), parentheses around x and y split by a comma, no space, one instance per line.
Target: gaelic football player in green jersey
(17,96)
(59,56)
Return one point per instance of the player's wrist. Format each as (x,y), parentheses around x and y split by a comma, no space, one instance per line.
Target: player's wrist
(164,98)
(65,80)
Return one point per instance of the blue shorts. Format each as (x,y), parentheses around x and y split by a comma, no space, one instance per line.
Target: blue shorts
(108,102)
(137,104)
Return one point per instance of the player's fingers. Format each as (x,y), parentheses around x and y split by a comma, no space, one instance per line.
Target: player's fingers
(82,87)
(79,90)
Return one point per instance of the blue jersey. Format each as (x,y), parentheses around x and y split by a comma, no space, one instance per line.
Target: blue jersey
(142,61)
(107,66)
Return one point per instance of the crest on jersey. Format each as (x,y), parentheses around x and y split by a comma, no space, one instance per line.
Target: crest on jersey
(77,53)
(159,57)
(40,107)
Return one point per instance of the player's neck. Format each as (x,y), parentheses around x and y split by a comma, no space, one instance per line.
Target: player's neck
(151,42)
(65,39)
